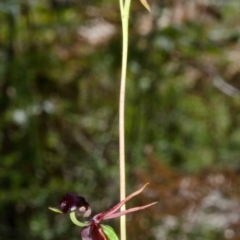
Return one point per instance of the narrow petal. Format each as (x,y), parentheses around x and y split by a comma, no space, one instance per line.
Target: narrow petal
(75,220)
(118,214)
(104,215)
(55,210)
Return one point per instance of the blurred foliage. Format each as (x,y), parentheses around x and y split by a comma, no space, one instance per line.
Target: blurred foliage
(59,83)
(191,206)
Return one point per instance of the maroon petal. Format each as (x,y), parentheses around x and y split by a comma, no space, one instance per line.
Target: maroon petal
(135,209)
(104,215)
(70,202)
(93,232)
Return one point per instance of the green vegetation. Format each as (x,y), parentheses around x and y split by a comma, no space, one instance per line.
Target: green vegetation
(59,81)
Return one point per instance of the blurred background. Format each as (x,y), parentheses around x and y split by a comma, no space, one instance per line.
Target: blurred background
(59,86)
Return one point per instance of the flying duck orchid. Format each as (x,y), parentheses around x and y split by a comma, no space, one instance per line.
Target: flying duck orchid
(93,229)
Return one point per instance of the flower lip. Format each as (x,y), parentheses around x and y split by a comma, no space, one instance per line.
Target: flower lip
(71,202)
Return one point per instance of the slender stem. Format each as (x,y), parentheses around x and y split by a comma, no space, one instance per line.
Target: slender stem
(124,7)
(121,6)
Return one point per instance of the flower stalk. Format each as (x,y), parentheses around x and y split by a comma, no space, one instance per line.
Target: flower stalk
(124,10)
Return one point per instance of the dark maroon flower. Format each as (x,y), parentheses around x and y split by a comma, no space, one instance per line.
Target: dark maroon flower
(94,230)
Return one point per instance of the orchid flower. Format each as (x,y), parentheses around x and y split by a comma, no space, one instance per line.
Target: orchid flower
(94,230)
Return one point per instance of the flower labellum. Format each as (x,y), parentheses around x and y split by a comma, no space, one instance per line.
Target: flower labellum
(71,202)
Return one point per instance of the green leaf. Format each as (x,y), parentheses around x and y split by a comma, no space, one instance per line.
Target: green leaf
(110,233)
(75,220)
(145,4)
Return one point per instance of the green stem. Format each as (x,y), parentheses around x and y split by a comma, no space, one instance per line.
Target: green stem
(125,8)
